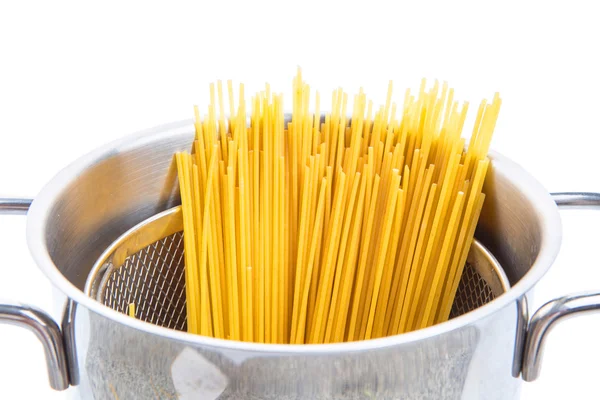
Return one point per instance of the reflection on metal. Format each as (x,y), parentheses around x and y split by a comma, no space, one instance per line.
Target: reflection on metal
(520,335)
(195,377)
(68,330)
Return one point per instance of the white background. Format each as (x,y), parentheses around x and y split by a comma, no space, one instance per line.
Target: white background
(74,76)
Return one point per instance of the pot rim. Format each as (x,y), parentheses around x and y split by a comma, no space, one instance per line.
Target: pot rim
(550,228)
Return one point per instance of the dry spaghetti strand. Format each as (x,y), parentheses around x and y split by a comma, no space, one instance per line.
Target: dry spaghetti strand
(345,226)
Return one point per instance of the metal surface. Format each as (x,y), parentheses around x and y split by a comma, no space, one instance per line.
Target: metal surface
(154,280)
(68,331)
(473,292)
(520,335)
(152,275)
(546,318)
(563,308)
(577,200)
(34,319)
(9,206)
(47,332)
(91,203)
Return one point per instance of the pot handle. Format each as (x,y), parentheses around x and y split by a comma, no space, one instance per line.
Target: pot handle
(562,308)
(34,319)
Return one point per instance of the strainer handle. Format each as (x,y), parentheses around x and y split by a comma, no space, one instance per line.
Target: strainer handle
(36,320)
(562,308)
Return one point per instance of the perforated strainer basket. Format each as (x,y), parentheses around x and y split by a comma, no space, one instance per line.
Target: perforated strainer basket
(145,266)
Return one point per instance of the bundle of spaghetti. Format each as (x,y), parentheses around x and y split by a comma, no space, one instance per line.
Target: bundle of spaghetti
(346,226)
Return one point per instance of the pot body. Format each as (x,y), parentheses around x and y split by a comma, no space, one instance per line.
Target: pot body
(113,360)
(111,356)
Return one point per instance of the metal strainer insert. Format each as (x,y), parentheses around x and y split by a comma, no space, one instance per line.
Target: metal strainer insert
(145,266)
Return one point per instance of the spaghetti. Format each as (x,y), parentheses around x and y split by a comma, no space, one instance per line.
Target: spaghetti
(320,229)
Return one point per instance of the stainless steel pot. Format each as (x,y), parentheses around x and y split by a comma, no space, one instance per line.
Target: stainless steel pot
(103,354)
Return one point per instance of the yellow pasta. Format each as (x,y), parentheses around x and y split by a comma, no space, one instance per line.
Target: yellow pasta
(340,261)
(383,300)
(341,314)
(332,240)
(345,226)
(360,294)
(299,333)
(441,268)
(381,254)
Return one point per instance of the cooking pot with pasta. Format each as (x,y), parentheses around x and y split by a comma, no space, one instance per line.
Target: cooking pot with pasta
(99,352)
